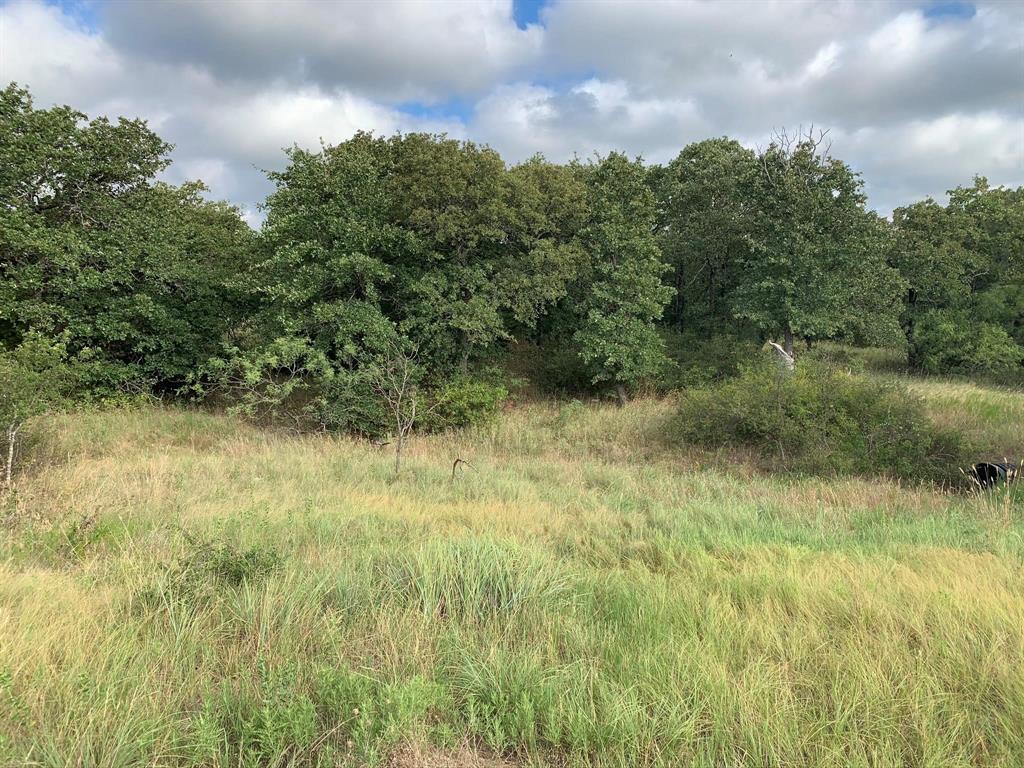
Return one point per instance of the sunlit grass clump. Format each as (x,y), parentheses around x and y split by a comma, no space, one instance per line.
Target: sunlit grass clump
(179,589)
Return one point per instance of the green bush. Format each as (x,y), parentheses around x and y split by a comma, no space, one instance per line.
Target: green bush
(346,402)
(700,360)
(821,419)
(886,360)
(207,568)
(464,402)
(553,366)
(32,380)
(946,341)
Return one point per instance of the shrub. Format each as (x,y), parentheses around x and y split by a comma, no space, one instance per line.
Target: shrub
(553,366)
(269,385)
(464,402)
(32,379)
(347,403)
(821,419)
(207,568)
(945,341)
(699,360)
(292,383)
(892,360)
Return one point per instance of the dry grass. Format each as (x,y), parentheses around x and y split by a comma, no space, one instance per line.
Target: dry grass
(177,588)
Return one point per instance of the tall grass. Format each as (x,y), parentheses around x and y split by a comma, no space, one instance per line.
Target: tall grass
(178,589)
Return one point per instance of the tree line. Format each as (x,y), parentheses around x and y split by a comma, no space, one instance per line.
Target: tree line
(438,254)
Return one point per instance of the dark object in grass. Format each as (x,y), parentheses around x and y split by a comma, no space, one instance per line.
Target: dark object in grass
(455,465)
(988,474)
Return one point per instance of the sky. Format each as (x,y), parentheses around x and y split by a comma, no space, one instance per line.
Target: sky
(918,96)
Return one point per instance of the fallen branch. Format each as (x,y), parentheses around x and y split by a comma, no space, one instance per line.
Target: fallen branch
(455,465)
(785,358)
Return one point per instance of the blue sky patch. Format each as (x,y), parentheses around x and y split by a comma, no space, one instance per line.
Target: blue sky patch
(950,9)
(527,12)
(453,109)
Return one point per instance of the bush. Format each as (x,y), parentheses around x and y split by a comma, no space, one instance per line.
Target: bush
(346,402)
(700,360)
(892,360)
(552,366)
(32,379)
(464,402)
(207,568)
(290,382)
(945,341)
(821,419)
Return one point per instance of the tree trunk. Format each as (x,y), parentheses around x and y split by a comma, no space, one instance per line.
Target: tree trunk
(620,393)
(788,341)
(398,453)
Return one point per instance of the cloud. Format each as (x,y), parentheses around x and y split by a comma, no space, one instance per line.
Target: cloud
(41,46)
(919,100)
(843,64)
(924,158)
(593,116)
(224,132)
(396,50)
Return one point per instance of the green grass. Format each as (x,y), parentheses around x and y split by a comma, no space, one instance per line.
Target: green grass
(177,588)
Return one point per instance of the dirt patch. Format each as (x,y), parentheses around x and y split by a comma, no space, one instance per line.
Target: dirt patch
(426,756)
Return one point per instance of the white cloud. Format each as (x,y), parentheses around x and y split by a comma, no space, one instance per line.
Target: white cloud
(224,133)
(919,104)
(399,50)
(593,116)
(824,61)
(41,46)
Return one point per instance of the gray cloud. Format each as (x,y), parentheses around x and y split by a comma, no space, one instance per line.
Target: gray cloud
(919,104)
(397,50)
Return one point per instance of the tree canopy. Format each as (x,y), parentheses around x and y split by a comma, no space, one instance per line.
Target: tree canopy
(440,248)
(132,275)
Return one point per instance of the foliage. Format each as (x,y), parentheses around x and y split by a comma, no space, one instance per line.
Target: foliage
(704,223)
(324,284)
(33,378)
(625,295)
(948,341)
(816,267)
(698,360)
(552,364)
(131,273)
(822,419)
(427,243)
(464,402)
(964,306)
(269,383)
(347,402)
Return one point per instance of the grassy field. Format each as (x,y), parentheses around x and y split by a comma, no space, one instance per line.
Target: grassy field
(177,588)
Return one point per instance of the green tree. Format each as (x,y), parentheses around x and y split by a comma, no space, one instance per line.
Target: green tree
(128,273)
(452,198)
(964,271)
(326,252)
(814,249)
(547,209)
(624,294)
(705,218)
